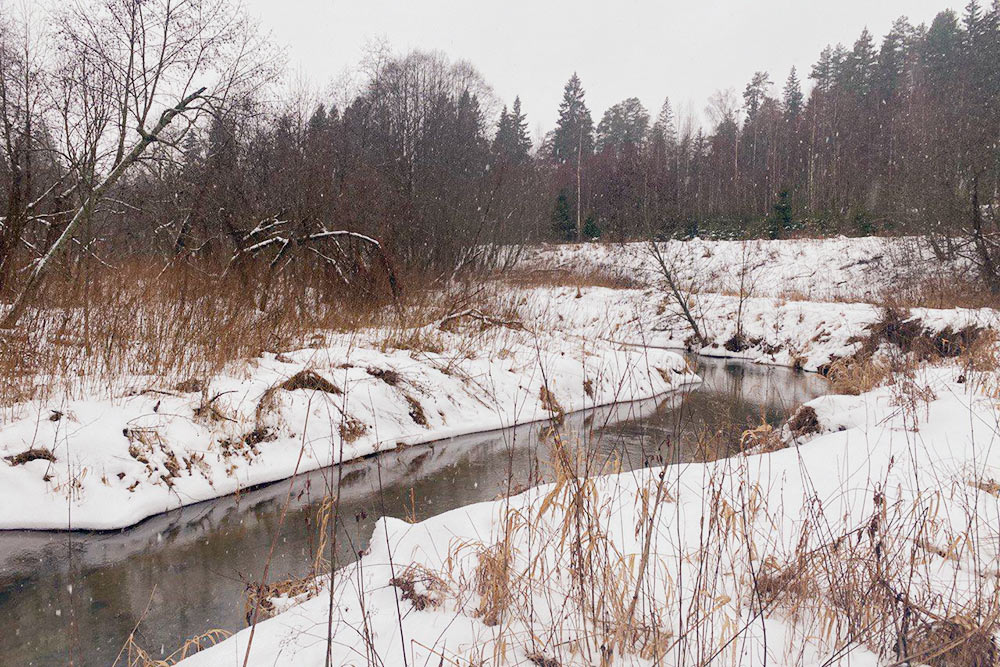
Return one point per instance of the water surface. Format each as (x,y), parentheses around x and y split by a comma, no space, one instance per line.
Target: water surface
(77,597)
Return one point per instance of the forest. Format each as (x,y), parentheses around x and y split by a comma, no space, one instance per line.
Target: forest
(894,136)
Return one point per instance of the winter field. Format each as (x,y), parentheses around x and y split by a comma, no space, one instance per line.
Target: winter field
(865,531)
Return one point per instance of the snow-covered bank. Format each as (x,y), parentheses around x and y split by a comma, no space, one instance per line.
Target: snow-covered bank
(830,269)
(801,334)
(861,545)
(102,464)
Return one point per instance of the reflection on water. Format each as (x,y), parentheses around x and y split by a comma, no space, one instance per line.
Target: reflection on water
(78,596)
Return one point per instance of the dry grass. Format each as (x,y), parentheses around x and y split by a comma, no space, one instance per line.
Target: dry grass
(909,343)
(549,402)
(117,330)
(762,439)
(941,290)
(855,376)
(259,600)
(421,587)
(311,381)
(579,279)
(136,656)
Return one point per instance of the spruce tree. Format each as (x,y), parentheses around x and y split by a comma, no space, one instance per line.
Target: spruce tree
(563,221)
(511,144)
(792,99)
(664,127)
(519,125)
(574,133)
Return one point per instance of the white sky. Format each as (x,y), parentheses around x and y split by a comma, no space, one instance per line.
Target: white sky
(640,48)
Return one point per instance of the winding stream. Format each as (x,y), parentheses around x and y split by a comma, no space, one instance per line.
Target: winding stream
(76,597)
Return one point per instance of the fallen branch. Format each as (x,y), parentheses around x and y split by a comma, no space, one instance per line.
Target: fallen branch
(476,314)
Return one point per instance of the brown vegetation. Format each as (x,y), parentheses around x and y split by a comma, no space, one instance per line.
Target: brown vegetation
(310,380)
(33,454)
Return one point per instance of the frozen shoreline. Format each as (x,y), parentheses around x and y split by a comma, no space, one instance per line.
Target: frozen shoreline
(861,463)
(120,461)
(856,486)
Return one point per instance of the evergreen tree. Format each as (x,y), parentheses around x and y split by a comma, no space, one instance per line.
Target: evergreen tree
(892,59)
(511,143)
(859,65)
(664,127)
(519,122)
(623,126)
(574,133)
(755,93)
(781,219)
(823,72)
(973,25)
(792,98)
(505,133)
(563,220)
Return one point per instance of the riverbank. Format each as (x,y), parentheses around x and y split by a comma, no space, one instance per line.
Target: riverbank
(863,532)
(179,573)
(872,538)
(109,463)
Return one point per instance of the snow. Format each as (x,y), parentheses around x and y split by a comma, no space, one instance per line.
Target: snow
(895,491)
(830,269)
(123,459)
(890,462)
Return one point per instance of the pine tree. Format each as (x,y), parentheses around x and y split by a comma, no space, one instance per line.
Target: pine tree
(822,72)
(860,63)
(624,125)
(574,133)
(755,93)
(892,58)
(792,98)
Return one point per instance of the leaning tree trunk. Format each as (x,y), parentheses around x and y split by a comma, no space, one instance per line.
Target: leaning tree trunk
(33,282)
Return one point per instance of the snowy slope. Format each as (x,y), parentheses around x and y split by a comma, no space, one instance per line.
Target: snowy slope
(831,269)
(873,477)
(118,461)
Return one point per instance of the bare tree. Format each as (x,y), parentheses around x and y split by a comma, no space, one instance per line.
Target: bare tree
(126,63)
(668,266)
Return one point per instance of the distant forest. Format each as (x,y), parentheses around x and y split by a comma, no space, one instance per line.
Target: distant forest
(894,136)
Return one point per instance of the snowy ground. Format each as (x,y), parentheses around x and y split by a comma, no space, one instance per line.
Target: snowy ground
(102,464)
(874,536)
(804,302)
(888,496)
(833,269)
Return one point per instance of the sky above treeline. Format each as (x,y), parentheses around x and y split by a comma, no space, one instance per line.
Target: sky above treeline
(646,49)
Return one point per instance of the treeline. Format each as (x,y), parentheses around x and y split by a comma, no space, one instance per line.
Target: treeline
(901,136)
(418,167)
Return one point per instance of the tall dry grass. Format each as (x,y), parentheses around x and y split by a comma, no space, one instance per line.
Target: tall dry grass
(117,329)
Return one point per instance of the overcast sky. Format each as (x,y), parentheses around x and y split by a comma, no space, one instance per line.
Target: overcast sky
(682,48)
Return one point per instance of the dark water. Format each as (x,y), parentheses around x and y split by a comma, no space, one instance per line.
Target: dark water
(77,597)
